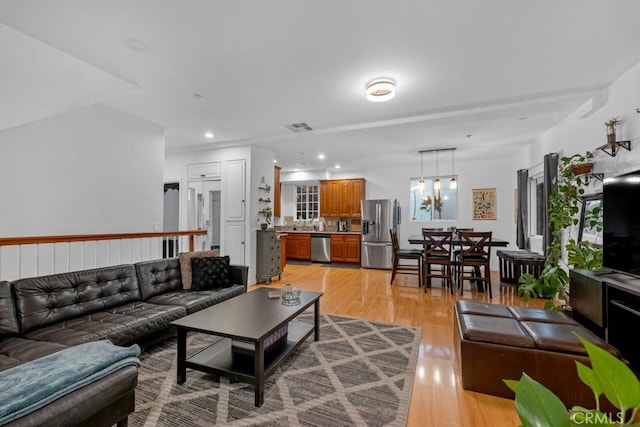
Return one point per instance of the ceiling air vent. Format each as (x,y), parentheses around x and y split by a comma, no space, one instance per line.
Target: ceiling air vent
(299,127)
(302,164)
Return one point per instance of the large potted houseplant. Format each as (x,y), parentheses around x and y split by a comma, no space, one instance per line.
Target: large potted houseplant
(564,209)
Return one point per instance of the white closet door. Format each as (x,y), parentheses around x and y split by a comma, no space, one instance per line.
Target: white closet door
(234,242)
(234,190)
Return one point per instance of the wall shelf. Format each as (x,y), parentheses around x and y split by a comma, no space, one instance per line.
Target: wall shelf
(589,176)
(612,148)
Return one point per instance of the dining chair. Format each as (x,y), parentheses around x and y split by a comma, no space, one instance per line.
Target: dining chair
(457,247)
(475,251)
(398,254)
(437,251)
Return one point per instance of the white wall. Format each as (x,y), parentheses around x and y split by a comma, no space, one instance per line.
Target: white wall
(579,133)
(92,170)
(259,164)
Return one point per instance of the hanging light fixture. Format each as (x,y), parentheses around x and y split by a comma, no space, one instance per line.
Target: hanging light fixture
(436,182)
(453,184)
(421,182)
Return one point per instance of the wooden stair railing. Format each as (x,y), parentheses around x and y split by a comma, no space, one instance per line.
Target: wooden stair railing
(36,255)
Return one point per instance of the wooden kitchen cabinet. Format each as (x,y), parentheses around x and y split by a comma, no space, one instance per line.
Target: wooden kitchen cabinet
(277,195)
(298,246)
(341,197)
(345,248)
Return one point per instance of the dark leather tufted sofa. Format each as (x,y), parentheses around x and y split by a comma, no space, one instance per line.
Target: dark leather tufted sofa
(125,304)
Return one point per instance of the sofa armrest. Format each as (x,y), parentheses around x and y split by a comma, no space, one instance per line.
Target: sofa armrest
(239,275)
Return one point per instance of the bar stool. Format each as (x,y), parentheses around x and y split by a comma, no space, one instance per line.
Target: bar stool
(405,254)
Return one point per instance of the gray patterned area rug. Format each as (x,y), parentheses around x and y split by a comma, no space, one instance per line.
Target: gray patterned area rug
(359,373)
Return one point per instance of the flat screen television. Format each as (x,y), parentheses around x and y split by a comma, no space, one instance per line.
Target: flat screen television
(621,223)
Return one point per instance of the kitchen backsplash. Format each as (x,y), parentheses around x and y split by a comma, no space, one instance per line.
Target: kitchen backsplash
(330,224)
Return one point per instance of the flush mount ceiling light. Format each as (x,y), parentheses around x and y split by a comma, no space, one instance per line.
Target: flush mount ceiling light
(209,135)
(380,90)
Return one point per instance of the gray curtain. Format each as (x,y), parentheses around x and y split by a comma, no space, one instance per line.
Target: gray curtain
(522,221)
(550,187)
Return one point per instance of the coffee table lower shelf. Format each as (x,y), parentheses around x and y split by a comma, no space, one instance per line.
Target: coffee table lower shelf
(219,358)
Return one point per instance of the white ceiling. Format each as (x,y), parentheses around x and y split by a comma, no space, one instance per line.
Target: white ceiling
(462,67)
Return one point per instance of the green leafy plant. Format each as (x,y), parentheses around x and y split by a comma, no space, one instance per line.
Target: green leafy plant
(538,406)
(564,207)
(268,213)
(613,122)
(583,255)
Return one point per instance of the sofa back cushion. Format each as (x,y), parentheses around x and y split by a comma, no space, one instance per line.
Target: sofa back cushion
(50,299)
(159,276)
(210,273)
(8,320)
(185,264)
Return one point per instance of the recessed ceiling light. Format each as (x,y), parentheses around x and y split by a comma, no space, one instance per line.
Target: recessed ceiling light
(337,166)
(208,135)
(321,156)
(380,90)
(275,161)
(136,44)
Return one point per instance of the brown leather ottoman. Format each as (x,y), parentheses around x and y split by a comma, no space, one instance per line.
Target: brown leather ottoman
(495,342)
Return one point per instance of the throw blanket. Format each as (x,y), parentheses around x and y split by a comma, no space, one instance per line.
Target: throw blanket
(32,385)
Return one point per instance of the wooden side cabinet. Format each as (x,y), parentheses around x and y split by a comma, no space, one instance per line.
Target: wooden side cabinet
(268,263)
(345,248)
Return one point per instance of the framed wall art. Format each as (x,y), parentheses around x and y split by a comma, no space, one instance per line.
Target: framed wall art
(485,204)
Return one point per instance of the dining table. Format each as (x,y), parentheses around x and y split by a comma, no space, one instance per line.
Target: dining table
(417,239)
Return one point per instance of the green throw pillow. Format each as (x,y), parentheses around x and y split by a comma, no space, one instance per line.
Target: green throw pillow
(210,273)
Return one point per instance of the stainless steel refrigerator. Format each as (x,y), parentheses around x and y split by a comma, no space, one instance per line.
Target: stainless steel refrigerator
(378,217)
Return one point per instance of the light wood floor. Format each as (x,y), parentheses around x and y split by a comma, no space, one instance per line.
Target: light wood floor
(438,398)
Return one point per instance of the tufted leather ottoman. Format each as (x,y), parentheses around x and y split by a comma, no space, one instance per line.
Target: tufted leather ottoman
(495,342)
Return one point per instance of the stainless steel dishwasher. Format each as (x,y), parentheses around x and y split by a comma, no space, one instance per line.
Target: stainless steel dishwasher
(320,247)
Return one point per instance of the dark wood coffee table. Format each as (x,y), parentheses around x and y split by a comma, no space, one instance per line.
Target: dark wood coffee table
(248,318)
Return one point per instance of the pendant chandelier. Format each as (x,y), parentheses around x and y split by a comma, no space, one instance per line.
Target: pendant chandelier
(453,183)
(421,182)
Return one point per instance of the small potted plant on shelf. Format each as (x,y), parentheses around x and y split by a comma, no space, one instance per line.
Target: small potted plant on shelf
(611,125)
(579,164)
(268,213)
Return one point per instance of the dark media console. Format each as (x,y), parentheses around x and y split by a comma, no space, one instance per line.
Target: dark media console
(609,305)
